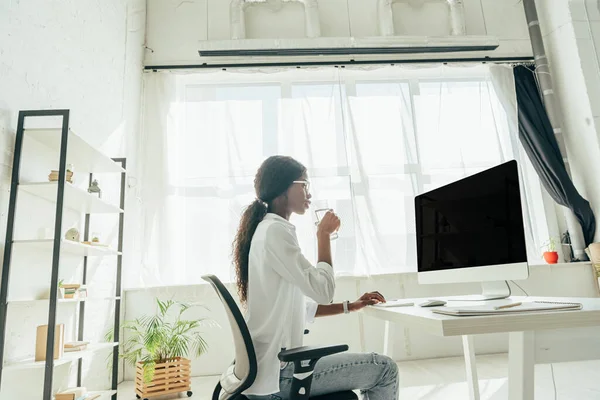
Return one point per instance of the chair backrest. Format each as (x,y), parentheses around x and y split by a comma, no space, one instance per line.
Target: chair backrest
(246,367)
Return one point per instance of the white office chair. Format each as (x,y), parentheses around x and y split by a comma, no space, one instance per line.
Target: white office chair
(242,373)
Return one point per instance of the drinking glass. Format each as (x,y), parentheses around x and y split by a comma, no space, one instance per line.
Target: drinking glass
(320,208)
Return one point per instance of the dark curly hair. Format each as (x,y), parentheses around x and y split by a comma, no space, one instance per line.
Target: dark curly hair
(274,177)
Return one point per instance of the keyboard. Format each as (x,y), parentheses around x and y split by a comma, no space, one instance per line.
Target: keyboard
(395,303)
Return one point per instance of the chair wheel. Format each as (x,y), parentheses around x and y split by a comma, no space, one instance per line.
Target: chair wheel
(189,393)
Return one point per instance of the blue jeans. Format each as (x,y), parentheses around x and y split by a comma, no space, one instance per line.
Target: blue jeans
(376,377)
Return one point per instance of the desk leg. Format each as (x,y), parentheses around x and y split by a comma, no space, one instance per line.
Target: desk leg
(388,339)
(521,365)
(471,366)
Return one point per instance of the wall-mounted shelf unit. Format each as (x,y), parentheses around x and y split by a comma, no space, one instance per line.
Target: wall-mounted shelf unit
(71,149)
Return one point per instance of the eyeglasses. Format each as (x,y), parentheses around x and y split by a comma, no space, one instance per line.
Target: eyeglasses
(306,185)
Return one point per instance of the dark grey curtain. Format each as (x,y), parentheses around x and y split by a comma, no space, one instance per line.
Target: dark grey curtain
(537,137)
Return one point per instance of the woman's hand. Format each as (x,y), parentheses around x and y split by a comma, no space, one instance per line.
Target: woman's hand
(329,223)
(367,299)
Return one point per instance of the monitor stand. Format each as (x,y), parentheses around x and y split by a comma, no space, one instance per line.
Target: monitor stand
(490,291)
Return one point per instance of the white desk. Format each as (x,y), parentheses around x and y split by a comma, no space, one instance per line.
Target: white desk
(519,326)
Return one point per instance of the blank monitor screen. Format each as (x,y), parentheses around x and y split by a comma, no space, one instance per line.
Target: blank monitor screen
(476,221)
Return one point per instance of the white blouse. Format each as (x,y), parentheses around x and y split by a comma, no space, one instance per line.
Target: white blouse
(279,278)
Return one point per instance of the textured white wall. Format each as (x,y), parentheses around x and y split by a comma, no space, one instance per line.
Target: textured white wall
(366,334)
(86,56)
(175,27)
(585,138)
(570,39)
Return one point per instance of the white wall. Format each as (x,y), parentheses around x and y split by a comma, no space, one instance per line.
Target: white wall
(175,27)
(585,137)
(570,44)
(366,334)
(86,56)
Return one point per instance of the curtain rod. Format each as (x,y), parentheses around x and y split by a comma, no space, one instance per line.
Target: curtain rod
(494,60)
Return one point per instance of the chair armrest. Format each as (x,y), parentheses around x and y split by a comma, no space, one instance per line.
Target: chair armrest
(305,358)
(311,352)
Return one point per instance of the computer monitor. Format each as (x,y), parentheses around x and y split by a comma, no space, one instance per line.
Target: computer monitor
(472,231)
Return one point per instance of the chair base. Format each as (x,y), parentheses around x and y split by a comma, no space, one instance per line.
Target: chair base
(348,395)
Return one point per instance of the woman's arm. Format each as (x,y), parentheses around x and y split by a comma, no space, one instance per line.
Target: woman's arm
(366,299)
(330,309)
(324,247)
(329,224)
(335,309)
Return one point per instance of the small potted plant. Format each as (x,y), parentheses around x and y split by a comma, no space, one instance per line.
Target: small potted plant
(158,347)
(550,255)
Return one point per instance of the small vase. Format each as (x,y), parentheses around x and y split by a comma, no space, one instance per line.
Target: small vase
(551,257)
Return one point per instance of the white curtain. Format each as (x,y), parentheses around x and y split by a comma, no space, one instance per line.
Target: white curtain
(371,139)
(540,211)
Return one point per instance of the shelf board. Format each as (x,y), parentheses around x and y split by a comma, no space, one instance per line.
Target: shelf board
(83,156)
(75,198)
(68,247)
(62,301)
(67,358)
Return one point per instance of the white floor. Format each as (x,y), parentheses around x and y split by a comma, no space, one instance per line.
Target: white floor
(443,379)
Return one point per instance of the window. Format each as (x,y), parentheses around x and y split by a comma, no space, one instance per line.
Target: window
(371,141)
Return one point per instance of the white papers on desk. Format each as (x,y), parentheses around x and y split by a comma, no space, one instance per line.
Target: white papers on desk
(536,306)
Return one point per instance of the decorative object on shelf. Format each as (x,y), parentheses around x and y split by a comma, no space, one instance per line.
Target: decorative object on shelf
(567,246)
(61,293)
(75,346)
(72,235)
(551,255)
(72,291)
(95,189)
(158,347)
(53,177)
(96,240)
(40,342)
(593,253)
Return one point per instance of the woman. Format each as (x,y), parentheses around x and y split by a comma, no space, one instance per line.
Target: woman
(273,279)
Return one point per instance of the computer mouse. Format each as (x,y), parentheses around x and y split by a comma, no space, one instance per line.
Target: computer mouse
(433,303)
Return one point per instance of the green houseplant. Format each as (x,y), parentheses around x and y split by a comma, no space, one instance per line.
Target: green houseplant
(155,343)
(550,255)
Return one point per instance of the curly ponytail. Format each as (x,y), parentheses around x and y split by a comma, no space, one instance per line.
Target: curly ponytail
(274,177)
(251,217)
